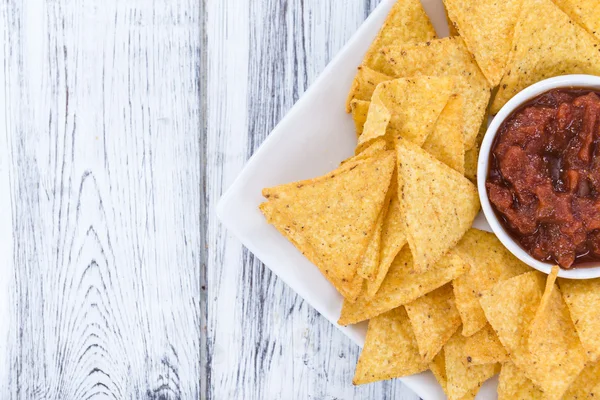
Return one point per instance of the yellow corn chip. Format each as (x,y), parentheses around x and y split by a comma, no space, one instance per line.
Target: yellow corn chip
(376,147)
(434,320)
(438,204)
(446,142)
(447,57)
(359,108)
(490,263)
(487,27)
(407,22)
(452,31)
(583,299)
(370,262)
(484,347)
(390,349)
(462,378)
(364,85)
(438,367)
(513,385)
(408,107)
(472,155)
(555,349)
(335,215)
(401,286)
(393,239)
(587,384)
(585,12)
(546,44)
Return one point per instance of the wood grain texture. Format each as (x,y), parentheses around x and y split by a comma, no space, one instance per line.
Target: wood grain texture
(100,197)
(265,342)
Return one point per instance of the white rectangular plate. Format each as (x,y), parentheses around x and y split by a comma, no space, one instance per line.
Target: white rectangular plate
(314,137)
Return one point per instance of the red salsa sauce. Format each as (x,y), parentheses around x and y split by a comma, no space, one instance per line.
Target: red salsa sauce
(544,176)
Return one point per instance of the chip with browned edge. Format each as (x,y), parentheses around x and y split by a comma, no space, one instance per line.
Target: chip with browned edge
(487,27)
(463,378)
(390,349)
(434,320)
(401,286)
(447,141)
(484,347)
(438,204)
(334,215)
(447,57)
(583,299)
(554,346)
(513,384)
(408,107)
(547,43)
(490,263)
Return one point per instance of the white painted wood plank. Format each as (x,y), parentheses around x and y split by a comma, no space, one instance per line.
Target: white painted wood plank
(265,341)
(100,182)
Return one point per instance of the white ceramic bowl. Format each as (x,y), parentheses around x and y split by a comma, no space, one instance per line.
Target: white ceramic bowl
(565,81)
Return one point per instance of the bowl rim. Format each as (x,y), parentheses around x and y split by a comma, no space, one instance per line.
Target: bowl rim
(563,81)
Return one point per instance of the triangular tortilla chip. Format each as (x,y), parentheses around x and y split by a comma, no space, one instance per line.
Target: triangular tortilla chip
(390,349)
(364,85)
(472,155)
(547,43)
(555,348)
(461,379)
(335,214)
(370,261)
(407,22)
(512,384)
(583,299)
(587,384)
(447,141)
(484,347)
(447,57)
(487,27)
(360,109)
(401,286)
(434,319)
(408,107)
(438,368)
(393,239)
(438,204)
(490,263)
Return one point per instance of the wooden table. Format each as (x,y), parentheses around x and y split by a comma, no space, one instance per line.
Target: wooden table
(122,124)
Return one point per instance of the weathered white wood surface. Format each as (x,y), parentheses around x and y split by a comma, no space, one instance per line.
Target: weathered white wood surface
(100,199)
(122,122)
(264,341)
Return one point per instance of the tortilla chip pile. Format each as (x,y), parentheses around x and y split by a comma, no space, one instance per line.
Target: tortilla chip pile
(390,228)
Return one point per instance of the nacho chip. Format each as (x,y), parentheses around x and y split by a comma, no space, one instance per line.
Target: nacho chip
(585,12)
(452,31)
(583,299)
(462,378)
(364,85)
(360,109)
(447,57)
(438,204)
(546,44)
(555,349)
(434,320)
(446,142)
(490,263)
(438,368)
(587,384)
(487,27)
(407,22)
(472,155)
(370,261)
(334,215)
(484,347)
(408,107)
(376,147)
(393,239)
(401,286)
(390,349)
(514,385)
